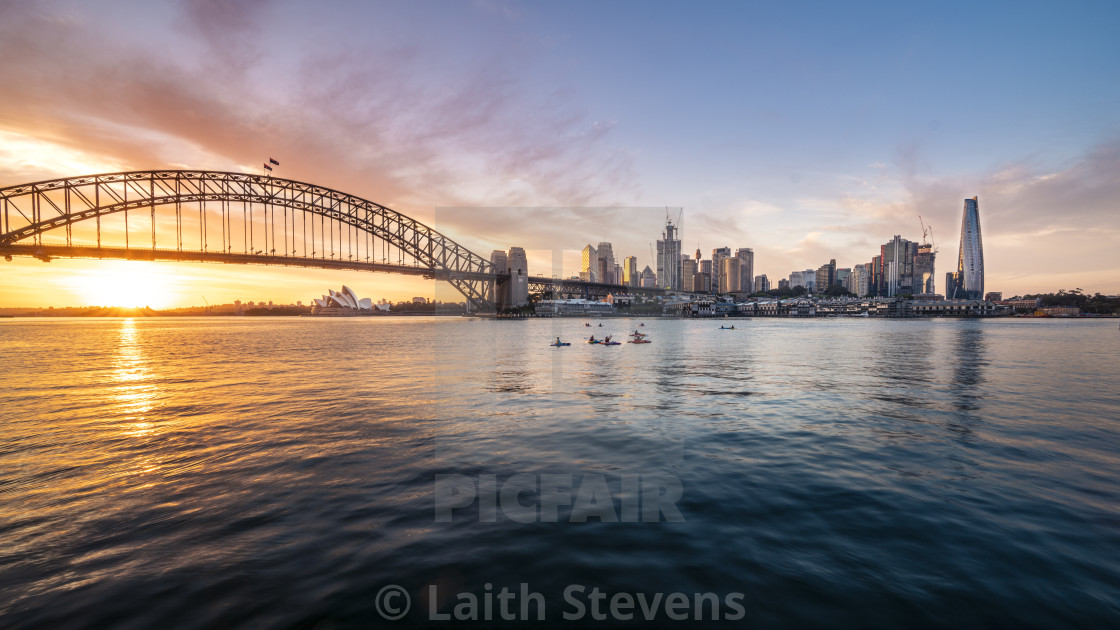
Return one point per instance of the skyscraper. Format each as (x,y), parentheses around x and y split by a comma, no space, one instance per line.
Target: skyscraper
(630,272)
(898,267)
(718,254)
(809,279)
(605,254)
(669,257)
(746,267)
(923,269)
(688,274)
(968,282)
(729,276)
(589,268)
(826,276)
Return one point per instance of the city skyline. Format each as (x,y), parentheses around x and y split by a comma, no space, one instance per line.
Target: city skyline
(534,116)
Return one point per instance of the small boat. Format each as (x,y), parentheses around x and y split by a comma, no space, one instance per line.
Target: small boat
(726,328)
(595,341)
(612,343)
(641,324)
(587,325)
(640,341)
(559,345)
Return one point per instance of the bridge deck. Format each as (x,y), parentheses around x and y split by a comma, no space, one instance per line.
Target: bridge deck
(46,252)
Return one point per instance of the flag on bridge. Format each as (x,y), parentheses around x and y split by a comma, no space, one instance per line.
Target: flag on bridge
(272,161)
(267,167)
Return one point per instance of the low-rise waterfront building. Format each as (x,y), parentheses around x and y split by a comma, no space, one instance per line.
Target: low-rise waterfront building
(1027,304)
(954,308)
(560,308)
(1061,311)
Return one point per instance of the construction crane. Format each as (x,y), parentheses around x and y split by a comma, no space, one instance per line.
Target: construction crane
(927,230)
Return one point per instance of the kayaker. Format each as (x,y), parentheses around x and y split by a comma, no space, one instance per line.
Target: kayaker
(607,340)
(592,339)
(557,341)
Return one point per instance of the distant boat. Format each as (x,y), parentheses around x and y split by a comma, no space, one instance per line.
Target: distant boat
(559,345)
(726,328)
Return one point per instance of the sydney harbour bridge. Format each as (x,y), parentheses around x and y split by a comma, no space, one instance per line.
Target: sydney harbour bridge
(239,218)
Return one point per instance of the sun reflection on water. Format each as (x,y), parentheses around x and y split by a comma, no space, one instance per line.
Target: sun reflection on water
(132,387)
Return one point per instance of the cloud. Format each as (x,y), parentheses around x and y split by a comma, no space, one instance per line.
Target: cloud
(368,118)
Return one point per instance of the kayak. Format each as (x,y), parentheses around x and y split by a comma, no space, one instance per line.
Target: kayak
(612,343)
(640,341)
(596,341)
(725,328)
(559,345)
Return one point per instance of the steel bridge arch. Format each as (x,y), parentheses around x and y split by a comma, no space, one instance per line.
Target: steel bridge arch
(35,210)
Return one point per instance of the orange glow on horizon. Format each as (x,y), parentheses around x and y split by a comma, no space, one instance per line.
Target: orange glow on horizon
(126,284)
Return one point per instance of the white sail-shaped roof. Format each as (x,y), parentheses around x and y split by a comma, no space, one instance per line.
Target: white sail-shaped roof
(346,298)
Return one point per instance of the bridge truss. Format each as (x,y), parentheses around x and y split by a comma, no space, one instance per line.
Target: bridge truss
(233,218)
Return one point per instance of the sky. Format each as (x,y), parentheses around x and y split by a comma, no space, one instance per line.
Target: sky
(805,130)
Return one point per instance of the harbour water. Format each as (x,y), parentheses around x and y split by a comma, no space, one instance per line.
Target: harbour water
(283,472)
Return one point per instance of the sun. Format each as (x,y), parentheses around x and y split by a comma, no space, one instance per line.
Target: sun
(128,284)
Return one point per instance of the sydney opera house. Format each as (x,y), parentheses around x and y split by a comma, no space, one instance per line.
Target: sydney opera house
(345,302)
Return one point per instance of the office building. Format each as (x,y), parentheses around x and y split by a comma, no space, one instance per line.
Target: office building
(923,269)
(605,261)
(688,274)
(761,283)
(967,283)
(809,278)
(859,280)
(630,271)
(669,257)
(898,267)
(729,275)
(718,256)
(706,275)
(746,267)
(589,265)
(826,276)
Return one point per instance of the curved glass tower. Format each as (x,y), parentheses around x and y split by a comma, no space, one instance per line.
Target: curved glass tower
(969,279)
